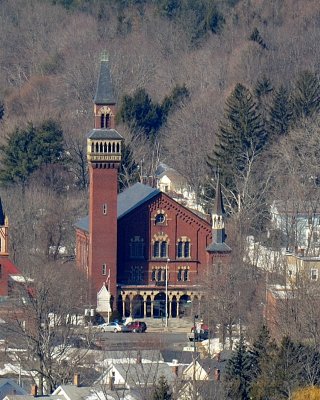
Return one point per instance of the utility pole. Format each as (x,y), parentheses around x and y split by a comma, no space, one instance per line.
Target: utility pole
(168,260)
(194,394)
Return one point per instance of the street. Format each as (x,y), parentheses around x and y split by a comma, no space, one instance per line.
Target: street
(147,340)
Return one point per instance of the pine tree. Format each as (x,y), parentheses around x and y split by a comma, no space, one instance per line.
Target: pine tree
(263,356)
(162,390)
(26,150)
(241,135)
(281,115)
(256,37)
(306,95)
(238,373)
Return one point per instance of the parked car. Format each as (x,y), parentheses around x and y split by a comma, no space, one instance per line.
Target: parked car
(113,327)
(199,333)
(137,326)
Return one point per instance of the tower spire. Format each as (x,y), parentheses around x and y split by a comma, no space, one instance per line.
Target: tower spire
(218,244)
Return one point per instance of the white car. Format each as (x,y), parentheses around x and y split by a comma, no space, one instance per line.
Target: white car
(113,327)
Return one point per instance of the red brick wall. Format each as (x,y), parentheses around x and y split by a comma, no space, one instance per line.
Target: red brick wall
(179,222)
(102,228)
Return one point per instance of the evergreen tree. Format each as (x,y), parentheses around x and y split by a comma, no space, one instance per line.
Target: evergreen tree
(263,356)
(256,37)
(27,150)
(241,135)
(238,372)
(263,88)
(162,390)
(306,95)
(281,115)
(140,114)
(288,368)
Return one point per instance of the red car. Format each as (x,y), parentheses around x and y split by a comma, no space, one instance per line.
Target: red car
(137,326)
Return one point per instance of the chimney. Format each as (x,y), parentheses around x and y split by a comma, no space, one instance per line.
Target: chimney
(111,383)
(34,390)
(216,374)
(76,380)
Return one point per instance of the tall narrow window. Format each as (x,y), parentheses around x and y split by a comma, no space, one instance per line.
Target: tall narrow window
(156,250)
(153,275)
(179,251)
(163,249)
(159,275)
(104,269)
(0,271)
(187,249)
(186,275)
(102,121)
(104,209)
(180,275)
(107,120)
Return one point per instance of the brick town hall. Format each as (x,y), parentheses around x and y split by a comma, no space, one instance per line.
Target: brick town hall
(141,244)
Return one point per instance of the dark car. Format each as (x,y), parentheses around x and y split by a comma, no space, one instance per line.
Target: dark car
(137,326)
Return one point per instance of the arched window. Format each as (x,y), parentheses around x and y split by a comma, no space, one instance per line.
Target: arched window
(97,147)
(107,120)
(180,275)
(156,249)
(118,148)
(105,148)
(102,121)
(92,147)
(153,275)
(180,248)
(183,249)
(101,148)
(159,275)
(187,249)
(186,275)
(163,249)
(109,148)
(113,147)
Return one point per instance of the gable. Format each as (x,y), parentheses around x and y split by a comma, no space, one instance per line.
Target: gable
(138,195)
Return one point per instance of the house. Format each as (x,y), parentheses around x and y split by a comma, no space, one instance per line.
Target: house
(9,386)
(9,273)
(150,252)
(171,182)
(299,224)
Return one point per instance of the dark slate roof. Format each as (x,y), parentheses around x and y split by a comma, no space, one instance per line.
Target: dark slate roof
(104,134)
(133,197)
(218,207)
(218,248)
(128,200)
(183,357)
(2,216)
(104,92)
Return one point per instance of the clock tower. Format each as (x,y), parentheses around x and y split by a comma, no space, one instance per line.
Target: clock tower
(104,157)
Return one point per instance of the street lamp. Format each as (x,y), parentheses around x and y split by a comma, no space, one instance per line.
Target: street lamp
(168,260)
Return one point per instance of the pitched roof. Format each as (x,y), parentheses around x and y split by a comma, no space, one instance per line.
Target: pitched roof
(128,200)
(11,269)
(218,207)
(145,373)
(103,134)
(104,91)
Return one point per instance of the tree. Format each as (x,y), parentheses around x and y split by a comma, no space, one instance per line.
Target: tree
(28,149)
(241,135)
(306,95)
(238,373)
(162,390)
(40,319)
(281,115)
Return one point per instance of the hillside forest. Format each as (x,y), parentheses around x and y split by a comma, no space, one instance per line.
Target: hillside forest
(226,88)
